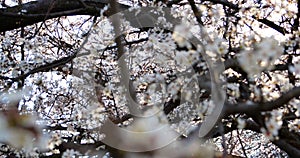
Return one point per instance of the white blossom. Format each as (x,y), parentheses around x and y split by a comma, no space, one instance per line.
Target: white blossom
(261,58)
(182,35)
(273,125)
(241,123)
(55,140)
(70,153)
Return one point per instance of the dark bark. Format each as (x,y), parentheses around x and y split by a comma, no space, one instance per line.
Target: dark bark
(38,11)
(260,107)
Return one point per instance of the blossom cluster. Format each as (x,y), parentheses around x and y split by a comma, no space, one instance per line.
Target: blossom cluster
(261,57)
(273,125)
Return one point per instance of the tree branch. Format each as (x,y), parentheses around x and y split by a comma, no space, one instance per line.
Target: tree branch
(284,145)
(36,11)
(263,20)
(42,68)
(272,25)
(260,107)
(82,148)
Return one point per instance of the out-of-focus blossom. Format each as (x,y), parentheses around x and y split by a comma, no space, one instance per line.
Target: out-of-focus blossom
(182,34)
(13,97)
(21,131)
(241,123)
(186,58)
(179,149)
(266,133)
(151,132)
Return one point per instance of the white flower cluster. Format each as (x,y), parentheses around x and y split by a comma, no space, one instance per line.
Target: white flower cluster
(295,124)
(160,46)
(261,58)
(273,125)
(295,69)
(164,22)
(165,45)
(55,140)
(241,123)
(182,34)
(205,108)
(270,87)
(70,153)
(101,35)
(283,7)
(186,58)
(233,89)
(215,47)
(296,104)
